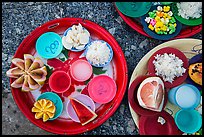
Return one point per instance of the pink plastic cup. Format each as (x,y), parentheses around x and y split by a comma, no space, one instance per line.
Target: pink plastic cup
(81,70)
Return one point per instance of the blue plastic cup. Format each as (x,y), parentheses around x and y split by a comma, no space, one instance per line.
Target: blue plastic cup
(185,96)
(188,121)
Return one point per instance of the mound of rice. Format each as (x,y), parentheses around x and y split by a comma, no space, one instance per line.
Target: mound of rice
(98,53)
(189,9)
(168,66)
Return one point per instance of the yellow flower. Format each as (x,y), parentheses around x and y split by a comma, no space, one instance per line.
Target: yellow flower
(164,28)
(157,29)
(169,17)
(165,15)
(166,8)
(44,109)
(151,27)
(157,18)
(159,24)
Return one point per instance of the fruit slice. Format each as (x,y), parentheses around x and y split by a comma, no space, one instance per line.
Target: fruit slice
(39,75)
(28,59)
(84,113)
(44,108)
(19,63)
(195,73)
(30,73)
(37,63)
(32,83)
(25,86)
(14,72)
(150,94)
(18,82)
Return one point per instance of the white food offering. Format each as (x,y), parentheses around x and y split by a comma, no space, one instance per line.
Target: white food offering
(161,120)
(168,66)
(77,37)
(98,53)
(189,9)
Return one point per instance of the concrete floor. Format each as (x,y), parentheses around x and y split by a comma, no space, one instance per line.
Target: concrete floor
(19,19)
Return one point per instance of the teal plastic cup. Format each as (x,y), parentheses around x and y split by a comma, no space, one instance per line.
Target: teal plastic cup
(56,100)
(185,96)
(188,121)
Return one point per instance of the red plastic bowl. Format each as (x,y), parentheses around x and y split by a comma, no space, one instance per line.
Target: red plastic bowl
(61,126)
(178,80)
(132,97)
(184,33)
(150,126)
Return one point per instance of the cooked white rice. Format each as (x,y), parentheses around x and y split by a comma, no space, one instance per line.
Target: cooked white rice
(168,66)
(98,53)
(189,9)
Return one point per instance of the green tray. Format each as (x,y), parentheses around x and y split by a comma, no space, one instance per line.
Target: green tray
(189,22)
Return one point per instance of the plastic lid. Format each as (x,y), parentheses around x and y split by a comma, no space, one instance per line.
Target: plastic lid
(102,89)
(189,22)
(49,45)
(81,70)
(56,100)
(133,9)
(86,100)
(59,81)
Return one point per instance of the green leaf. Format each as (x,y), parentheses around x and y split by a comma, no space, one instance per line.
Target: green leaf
(49,71)
(87,81)
(62,59)
(65,52)
(79,90)
(98,71)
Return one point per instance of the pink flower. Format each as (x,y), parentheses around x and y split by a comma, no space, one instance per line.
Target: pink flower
(153,22)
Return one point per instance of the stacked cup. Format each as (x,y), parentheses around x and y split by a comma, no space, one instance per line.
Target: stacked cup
(187,97)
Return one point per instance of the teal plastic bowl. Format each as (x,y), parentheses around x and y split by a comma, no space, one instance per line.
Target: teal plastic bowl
(188,121)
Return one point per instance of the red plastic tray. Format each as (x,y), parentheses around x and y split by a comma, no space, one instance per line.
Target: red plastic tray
(60,126)
(188,31)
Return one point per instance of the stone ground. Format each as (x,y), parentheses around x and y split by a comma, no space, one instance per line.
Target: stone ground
(19,19)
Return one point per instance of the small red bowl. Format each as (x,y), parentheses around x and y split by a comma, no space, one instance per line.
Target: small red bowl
(59,81)
(150,126)
(132,97)
(178,80)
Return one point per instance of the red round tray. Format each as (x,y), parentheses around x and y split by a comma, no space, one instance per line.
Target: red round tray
(188,31)
(60,126)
